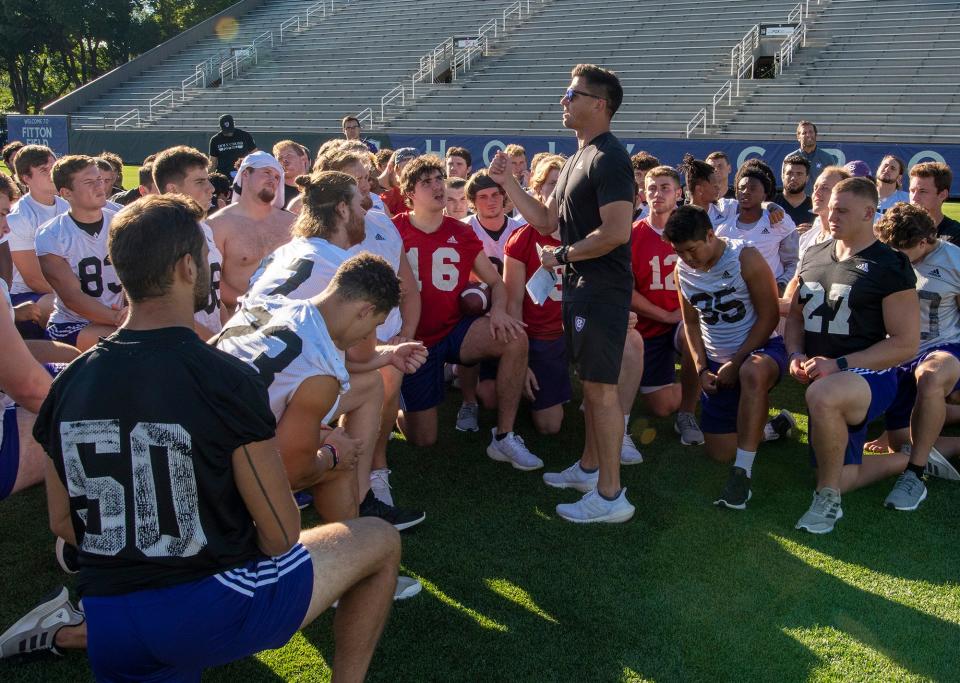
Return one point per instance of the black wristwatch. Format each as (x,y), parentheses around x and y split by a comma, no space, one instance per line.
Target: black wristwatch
(842,363)
(333,454)
(561,254)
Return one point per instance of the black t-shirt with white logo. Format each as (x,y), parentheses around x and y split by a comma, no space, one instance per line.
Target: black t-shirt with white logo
(598,174)
(141,430)
(843,300)
(229,148)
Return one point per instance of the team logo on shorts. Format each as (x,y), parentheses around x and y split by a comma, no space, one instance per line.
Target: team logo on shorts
(578,323)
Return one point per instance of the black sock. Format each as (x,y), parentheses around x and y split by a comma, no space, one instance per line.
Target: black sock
(610,498)
(916,469)
(501,437)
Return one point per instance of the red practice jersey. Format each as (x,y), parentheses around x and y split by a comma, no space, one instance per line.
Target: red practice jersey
(546,321)
(653,263)
(441,262)
(394,201)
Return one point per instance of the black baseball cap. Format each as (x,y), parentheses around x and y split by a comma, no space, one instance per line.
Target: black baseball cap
(226,122)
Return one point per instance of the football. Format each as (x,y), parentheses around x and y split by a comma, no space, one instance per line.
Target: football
(475,299)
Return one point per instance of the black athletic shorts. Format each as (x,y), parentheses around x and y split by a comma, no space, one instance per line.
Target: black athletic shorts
(595,334)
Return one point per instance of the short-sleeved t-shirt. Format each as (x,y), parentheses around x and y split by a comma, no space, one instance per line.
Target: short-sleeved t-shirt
(544,321)
(598,174)
(949,230)
(800,214)
(141,430)
(842,301)
(653,262)
(441,261)
(229,148)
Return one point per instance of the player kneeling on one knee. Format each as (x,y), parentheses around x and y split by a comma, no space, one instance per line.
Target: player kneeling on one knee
(917,414)
(729,304)
(854,317)
(191,553)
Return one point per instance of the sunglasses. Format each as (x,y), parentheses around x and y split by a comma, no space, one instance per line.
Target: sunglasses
(571,93)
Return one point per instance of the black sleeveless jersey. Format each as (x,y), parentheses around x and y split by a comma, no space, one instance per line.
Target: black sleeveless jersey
(141,430)
(843,300)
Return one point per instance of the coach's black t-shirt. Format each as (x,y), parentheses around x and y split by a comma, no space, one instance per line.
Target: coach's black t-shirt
(799,214)
(141,430)
(843,300)
(290,192)
(949,230)
(598,174)
(228,149)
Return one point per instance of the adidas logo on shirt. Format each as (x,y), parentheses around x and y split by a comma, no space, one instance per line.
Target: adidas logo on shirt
(380,238)
(764,232)
(863,267)
(935,272)
(452,240)
(726,274)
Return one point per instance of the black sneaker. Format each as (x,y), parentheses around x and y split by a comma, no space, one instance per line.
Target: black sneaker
(737,491)
(400,519)
(780,427)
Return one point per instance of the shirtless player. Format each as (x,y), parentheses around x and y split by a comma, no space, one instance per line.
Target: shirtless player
(247,231)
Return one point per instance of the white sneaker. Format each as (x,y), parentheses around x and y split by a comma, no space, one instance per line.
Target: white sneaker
(939,466)
(380,483)
(407,587)
(595,508)
(512,449)
(572,478)
(629,453)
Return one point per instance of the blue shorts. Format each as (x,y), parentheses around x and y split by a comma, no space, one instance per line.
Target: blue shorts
(65,332)
(899,412)
(551,366)
(424,389)
(718,411)
(174,633)
(28,329)
(489,368)
(9,451)
(883,390)
(659,361)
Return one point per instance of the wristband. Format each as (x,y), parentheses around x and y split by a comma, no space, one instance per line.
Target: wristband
(333,454)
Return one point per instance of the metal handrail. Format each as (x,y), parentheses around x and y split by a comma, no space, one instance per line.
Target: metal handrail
(725,89)
(698,118)
(225,66)
(515,8)
(392,97)
(157,100)
(749,42)
(191,81)
(366,116)
(796,14)
(263,38)
(123,119)
(484,30)
(745,68)
(313,9)
(292,21)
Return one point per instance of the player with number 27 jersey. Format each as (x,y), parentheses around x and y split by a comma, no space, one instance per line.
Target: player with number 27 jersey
(842,301)
(441,262)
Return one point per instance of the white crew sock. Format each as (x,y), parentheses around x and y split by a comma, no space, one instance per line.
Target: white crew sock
(745,460)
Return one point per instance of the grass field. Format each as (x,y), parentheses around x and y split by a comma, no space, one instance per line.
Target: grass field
(685,591)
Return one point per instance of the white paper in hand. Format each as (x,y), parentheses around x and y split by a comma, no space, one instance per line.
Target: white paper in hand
(542,283)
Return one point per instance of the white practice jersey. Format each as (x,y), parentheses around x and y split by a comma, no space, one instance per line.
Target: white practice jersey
(209,316)
(87,256)
(723,211)
(938,285)
(493,248)
(299,269)
(5,401)
(815,235)
(383,239)
(287,342)
(722,299)
(898,196)
(25,217)
(764,235)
